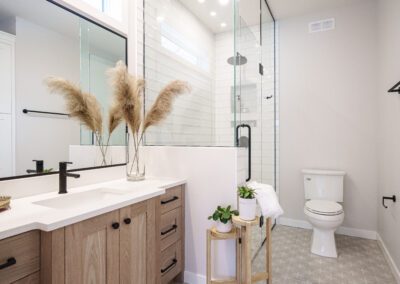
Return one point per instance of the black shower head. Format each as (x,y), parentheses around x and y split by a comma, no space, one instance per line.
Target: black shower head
(237,60)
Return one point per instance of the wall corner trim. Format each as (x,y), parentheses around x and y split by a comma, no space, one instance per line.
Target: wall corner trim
(389,259)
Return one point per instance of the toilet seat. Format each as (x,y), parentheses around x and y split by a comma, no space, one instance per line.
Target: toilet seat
(324,207)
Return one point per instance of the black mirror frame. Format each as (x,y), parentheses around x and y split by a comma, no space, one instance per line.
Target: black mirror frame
(126,62)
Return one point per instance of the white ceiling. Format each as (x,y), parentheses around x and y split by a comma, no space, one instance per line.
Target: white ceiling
(224,14)
(283,9)
(249,11)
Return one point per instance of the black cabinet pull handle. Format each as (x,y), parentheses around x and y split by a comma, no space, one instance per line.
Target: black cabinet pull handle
(174,262)
(115,225)
(173,227)
(127,221)
(169,200)
(11,261)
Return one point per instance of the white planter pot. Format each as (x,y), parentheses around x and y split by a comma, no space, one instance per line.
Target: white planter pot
(224,228)
(247,209)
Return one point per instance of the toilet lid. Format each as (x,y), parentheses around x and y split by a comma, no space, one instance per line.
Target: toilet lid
(324,207)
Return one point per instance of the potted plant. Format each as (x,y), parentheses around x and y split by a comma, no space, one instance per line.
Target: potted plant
(247,203)
(223,217)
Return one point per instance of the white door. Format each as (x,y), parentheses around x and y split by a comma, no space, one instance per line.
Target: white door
(6,148)
(6,72)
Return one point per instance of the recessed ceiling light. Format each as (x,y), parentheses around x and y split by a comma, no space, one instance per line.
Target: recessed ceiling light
(223,25)
(201,1)
(213,13)
(223,2)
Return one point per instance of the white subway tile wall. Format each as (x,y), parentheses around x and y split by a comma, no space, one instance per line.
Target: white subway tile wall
(206,116)
(174,50)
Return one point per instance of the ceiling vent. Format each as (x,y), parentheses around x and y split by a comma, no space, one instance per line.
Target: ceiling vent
(321,26)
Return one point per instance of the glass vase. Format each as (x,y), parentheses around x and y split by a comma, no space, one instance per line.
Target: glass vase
(135,166)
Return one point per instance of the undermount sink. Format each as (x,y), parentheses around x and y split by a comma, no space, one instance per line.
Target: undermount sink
(76,200)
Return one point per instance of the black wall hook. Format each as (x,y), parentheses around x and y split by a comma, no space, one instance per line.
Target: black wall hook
(393,198)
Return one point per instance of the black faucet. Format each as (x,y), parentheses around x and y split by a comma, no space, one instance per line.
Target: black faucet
(39,167)
(63,177)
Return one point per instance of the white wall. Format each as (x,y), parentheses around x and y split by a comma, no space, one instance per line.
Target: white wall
(389,119)
(328,108)
(207,187)
(38,51)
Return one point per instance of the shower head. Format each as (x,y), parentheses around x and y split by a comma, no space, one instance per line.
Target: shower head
(237,60)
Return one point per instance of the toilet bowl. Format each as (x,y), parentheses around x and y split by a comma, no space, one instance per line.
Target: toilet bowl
(325,217)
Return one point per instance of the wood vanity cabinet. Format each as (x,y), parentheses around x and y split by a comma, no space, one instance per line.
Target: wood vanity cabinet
(116,247)
(139,244)
(20,258)
(171,234)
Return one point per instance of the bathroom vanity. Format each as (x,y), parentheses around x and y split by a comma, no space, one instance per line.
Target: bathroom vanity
(132,233)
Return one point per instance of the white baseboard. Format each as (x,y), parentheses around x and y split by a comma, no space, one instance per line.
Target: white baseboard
(389,259)
(192,278)
(360,233)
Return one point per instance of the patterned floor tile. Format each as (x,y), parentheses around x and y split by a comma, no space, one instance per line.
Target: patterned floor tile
(359,261)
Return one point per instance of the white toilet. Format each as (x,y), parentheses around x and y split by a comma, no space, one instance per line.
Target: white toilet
(323,190)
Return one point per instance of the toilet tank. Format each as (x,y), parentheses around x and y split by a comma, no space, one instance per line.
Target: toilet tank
(323,185)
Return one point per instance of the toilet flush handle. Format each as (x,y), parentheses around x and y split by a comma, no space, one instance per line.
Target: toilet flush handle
(393,198)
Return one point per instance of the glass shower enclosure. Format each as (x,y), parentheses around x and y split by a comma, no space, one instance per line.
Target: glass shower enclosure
(255,103)
(230,65)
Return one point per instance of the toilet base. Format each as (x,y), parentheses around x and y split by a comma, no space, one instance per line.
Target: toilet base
(323,243)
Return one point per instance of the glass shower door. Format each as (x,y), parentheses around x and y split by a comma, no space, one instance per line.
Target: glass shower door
(255,100)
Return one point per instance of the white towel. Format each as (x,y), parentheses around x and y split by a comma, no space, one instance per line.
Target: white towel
(267,199)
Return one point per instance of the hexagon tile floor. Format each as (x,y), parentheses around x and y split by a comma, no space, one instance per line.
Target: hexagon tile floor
(360,261)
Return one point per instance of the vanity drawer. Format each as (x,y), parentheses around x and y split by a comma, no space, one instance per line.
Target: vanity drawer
(171,262)
(19,256)
(171,199)
(171,227)
(30,279)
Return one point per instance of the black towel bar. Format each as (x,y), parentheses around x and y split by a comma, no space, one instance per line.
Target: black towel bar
(26,111)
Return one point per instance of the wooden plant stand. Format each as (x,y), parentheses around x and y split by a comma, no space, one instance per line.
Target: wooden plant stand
(213,234)
(246,275)
(242,233)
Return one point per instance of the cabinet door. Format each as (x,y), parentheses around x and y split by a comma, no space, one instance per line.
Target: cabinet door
(6,150)
(6,73)
(137,240)
(92,250)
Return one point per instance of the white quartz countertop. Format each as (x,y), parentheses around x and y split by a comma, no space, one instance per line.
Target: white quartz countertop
(51,211)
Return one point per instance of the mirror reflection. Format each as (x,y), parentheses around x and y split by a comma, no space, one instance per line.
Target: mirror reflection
(35,128)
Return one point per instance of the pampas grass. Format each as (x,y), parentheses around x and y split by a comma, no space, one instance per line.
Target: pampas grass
(162,107)
(80,105)
(114,118)
(127,97)
(127,105)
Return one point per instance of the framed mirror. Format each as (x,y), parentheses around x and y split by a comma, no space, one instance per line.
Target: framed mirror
(39,40)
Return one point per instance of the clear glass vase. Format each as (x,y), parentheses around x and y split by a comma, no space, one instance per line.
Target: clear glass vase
(135,166)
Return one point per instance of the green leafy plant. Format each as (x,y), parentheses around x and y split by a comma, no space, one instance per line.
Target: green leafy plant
(246,192)
(223,214)
(48,170)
